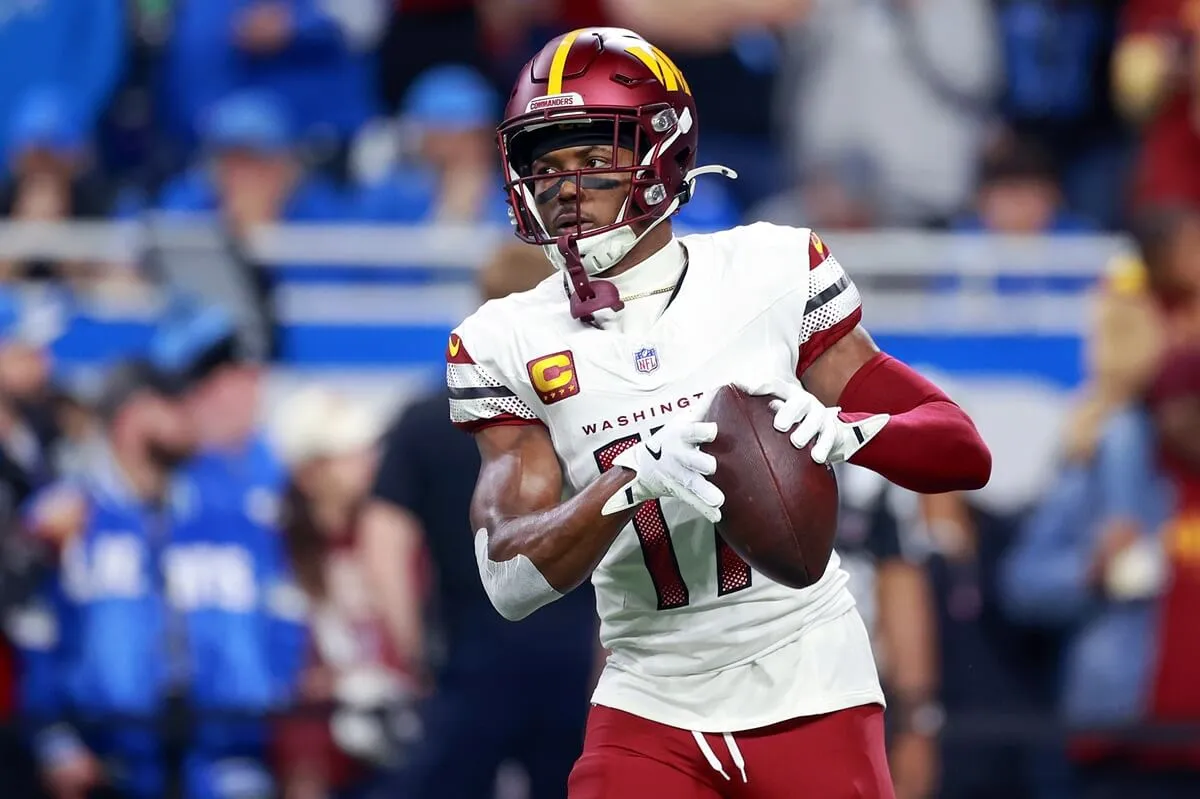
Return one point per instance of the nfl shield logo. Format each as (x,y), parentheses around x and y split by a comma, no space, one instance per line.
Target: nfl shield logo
(646,360)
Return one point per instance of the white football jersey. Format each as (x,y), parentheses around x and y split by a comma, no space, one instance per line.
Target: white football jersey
(681,613)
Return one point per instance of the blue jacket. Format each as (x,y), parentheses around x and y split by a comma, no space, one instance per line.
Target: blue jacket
(248,482)
(325,79)
(1108,665)
(190,597)
(76,47)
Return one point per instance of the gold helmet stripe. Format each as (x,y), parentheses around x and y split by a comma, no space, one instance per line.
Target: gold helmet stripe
(670,66)
(559,62)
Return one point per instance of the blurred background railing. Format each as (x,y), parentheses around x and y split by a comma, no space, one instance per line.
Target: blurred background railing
(1000,319)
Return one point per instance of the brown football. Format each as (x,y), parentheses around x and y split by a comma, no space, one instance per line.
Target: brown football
(781,507)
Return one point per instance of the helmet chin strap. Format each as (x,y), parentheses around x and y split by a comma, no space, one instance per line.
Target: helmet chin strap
(602,252)
(588,297)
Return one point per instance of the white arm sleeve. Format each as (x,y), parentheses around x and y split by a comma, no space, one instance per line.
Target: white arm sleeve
(515,586)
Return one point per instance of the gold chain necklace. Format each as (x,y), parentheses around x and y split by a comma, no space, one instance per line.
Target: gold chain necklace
(673,287)
(643,294)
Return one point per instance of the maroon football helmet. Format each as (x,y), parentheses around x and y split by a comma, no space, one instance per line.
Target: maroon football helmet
(605,86)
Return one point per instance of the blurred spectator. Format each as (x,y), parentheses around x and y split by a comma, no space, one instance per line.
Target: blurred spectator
(1143,305)
(318,57)
(163,605)
(732,57)
(907,85)
(1123,348)
(252,174)
(422,34)
(30,322)
(1103,557)
(134,148)
(1089,562)
(502,690)
(511,31)
(1112,555)
(252,177)
(1057,93)
(991,668)
(451,112)
(842,194)
(1156,67)
(886,565)
(50,178)
(698,24)
(27,433)
(76,390)
(571,14)
(77,47)
(452,174)
(1169,240)
(329,445)
(1019,193)
(1174,405)
(234,470)
(235,467)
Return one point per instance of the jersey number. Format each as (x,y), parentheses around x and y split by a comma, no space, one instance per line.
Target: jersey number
(733,573)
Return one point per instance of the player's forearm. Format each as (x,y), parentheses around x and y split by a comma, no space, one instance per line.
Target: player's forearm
(930,449)
(929,445)
(564,542)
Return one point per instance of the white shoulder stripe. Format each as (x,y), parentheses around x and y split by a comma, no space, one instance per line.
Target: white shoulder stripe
(465,411)
(469,375)
(824,276)
(829,313)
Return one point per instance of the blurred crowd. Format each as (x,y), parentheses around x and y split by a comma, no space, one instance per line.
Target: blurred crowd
(1012,116)
(200,602)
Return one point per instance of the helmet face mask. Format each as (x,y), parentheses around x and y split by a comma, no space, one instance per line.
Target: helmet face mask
(625,141)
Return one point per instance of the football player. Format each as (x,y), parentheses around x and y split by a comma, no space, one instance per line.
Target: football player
(585,396)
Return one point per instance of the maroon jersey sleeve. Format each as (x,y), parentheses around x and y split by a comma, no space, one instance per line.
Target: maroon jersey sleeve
(833,308)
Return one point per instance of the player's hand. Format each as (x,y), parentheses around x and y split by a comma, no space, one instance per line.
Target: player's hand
(834,438)
(670,463)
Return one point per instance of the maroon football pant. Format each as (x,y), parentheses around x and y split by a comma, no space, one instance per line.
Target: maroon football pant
(832,756)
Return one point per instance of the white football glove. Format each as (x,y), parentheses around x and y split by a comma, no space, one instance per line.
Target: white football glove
(671,464)
(836,440)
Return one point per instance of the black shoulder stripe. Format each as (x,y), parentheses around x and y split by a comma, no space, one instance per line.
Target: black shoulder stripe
(483,392)
(828,294)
